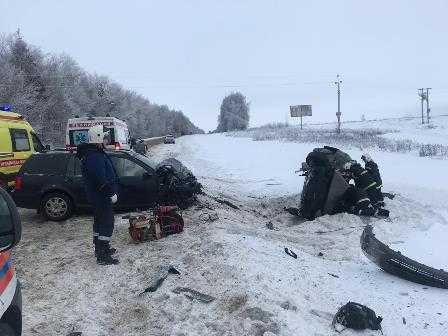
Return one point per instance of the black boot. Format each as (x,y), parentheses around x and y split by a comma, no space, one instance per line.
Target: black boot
(110,250)
(103,257)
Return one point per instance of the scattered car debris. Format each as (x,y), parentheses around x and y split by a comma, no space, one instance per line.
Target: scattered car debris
(395,263)
(193,294)
(389,195)
(330,231)
(290,253)
(159,281)
(226,202)
(288,306)
(292,211)
(404,320)
(320,254)
(333,275)
(209,216)
(356,316)
(75,333)
(270,226)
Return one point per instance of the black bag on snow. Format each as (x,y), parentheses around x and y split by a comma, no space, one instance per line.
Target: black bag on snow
(177,184)
(323,185)
(357,316)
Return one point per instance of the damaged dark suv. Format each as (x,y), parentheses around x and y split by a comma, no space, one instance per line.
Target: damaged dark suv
(52,183)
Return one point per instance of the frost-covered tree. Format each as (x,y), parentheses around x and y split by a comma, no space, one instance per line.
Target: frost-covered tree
(48,89)
(234,113)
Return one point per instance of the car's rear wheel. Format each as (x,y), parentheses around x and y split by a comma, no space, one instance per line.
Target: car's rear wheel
(57,206)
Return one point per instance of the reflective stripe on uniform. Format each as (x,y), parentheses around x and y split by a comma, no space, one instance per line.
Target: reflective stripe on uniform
(366,199)
(104,238)
(369,186)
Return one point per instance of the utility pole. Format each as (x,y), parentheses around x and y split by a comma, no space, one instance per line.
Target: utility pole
(427,105)
(338,113)
(422,98)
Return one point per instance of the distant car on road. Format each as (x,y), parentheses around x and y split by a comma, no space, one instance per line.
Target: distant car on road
(169,139)
(52,183)
(140,147)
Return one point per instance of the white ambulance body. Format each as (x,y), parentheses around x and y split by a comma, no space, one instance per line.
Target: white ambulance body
(77,129)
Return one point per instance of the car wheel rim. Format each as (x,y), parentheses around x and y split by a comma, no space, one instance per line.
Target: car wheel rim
(56,207)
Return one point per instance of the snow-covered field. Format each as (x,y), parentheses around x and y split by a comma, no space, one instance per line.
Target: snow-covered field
(436,132)
(259,289)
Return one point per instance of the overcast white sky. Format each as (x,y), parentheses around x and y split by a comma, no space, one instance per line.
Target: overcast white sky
(189,54)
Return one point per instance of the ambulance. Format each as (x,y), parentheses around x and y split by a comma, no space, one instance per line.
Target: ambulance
(17,142)
(77,130)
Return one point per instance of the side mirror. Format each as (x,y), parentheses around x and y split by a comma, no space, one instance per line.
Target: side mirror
(10,225)
(47,147)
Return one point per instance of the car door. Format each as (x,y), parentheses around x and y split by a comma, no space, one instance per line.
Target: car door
(76,182)
(138,182)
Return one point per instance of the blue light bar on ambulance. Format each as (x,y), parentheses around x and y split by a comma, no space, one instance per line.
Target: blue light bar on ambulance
(6,107)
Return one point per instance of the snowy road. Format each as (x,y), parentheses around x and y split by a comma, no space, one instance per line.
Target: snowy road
(259,290)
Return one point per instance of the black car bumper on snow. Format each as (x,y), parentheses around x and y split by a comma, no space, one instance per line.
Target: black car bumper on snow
(395,263)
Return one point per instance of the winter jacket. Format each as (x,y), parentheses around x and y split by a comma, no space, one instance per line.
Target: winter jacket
(355,201)
(372,168)
(366,182)
(100,178)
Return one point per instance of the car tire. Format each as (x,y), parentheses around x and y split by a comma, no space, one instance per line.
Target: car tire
(57,206)
(7,330)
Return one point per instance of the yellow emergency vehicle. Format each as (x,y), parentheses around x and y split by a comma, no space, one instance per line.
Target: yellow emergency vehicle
(17,142)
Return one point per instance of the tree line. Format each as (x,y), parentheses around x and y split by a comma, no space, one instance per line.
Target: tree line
(47,89)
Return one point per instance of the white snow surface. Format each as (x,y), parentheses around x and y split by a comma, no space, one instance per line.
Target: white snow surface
(434,133)
(259,289)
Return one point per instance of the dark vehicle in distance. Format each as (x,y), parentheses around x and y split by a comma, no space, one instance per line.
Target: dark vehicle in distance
(140,147)
(169,139)
(10,291)
(52,183)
